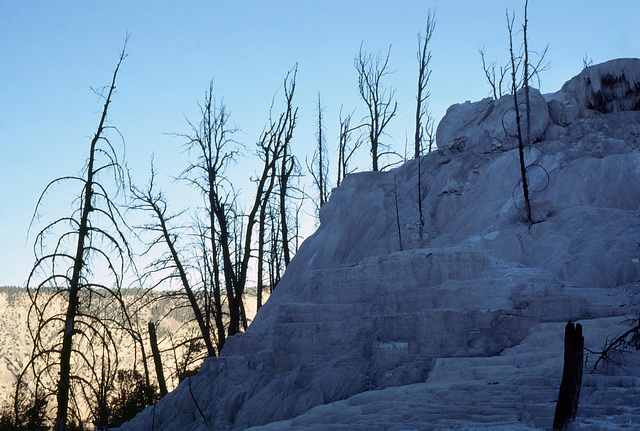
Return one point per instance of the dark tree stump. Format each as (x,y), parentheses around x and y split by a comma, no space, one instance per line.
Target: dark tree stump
(156,359)
(567,405)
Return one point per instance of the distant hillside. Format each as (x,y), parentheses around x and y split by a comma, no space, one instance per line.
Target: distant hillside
(15,341)
(15,346)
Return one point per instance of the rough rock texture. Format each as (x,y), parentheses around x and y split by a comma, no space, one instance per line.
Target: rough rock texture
(514,391)
(612,86)
(460,326)
(490,125)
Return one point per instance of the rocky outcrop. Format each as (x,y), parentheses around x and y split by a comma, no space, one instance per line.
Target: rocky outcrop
(370,304)
(490,125)
(613,86)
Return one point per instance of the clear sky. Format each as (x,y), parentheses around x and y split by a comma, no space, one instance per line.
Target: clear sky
(53,52)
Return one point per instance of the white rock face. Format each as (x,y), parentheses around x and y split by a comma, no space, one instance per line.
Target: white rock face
(490,125)
(612,86)
(375,327)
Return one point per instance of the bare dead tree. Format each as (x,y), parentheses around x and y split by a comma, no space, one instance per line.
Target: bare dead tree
(207,264)
(379,101)
(276,258)
(624,342)
(345,152)
(214,149)
(424,73)
(298,210)
(569,393)
(269,151)
(514,90)
(288,164)
(495,80)
(169,266)
(430,132)
(286,170)
(228,229)
(274,147)
(262,232)
(531,71)
(319,167)
(424,120)
(520,61)
(75,365)
(323,163)
(397,212)
(153,339)
(526,74)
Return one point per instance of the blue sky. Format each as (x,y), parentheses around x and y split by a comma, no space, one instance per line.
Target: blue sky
(54,52)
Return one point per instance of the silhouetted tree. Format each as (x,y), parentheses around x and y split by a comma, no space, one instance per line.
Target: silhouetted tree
(424,73)
(424,120)
(626,341)
(528,72)
(344,151)
(263,230)
(269,150)
(288,164)
(81,358)
(170,264)
(230,232)
(157,359)
(495,81)
(514,90)
(211,143)
(380,104)
(569,393)
(319,167)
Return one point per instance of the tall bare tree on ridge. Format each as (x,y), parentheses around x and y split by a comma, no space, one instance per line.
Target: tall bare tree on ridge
(380,102)
(77,364)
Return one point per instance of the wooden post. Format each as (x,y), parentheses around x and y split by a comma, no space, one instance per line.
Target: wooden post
(156,359)
(567,405)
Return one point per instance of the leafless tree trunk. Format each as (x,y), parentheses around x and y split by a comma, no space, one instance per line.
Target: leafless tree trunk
(422,111)
(214,149)
(153,339)
(395,196)
(569,394)
(231,233)
(262,226)
(495,81)
(424,73)
(344,151)
(209,260)
(529,71)
(286,169)
(380,104)
(319,162)
(287,166)
(275,251)
(274,146)
(95,236)
(156,204)
(514,89)
(526,75)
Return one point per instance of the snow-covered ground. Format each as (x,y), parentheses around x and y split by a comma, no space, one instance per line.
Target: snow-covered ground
(379,327)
